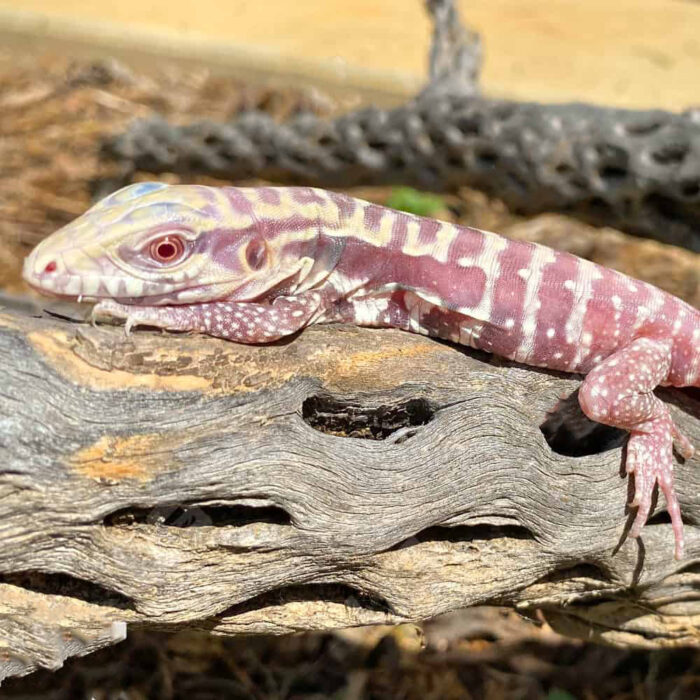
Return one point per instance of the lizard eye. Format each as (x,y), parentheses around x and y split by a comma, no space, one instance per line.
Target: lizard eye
(168,249)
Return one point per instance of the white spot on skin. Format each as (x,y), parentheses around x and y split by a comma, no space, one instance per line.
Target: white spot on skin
(550,332)
(569,284)
(509,323)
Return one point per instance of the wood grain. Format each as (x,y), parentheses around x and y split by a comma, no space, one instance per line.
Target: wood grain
(172,481)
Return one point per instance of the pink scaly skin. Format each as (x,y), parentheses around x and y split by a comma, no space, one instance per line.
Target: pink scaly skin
(256,264)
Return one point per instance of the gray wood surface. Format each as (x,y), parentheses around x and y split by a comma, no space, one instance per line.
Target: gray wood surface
(168,481)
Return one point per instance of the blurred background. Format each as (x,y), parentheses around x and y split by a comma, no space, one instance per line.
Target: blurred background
(75,72)
(630,53)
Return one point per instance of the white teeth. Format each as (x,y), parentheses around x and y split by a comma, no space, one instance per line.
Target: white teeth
(90,285)
(112,285)
(72,286)
(134,288)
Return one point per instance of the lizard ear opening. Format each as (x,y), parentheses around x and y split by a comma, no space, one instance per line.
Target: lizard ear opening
(256,253)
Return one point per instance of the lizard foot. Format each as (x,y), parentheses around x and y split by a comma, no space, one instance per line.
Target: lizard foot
(620,392)
(132,315)
(650,460)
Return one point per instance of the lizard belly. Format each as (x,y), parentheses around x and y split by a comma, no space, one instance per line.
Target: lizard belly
(408,311)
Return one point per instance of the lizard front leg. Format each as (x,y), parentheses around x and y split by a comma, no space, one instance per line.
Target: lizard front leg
(619,392)
(243,322)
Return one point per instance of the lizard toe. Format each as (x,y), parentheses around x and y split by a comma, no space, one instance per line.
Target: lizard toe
(650,459)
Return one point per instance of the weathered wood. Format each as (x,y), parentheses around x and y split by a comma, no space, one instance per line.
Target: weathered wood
(176,481)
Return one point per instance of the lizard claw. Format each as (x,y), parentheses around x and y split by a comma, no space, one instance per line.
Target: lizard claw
(682,444)
(650,459)
(112,309)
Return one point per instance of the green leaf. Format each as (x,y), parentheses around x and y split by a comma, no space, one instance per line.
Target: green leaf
(415,202)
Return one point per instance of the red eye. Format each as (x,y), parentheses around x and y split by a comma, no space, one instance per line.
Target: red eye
(168,249)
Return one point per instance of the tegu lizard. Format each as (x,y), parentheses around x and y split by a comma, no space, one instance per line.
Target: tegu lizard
(253,265)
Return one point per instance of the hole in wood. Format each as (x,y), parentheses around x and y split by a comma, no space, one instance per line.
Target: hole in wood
(469,124)
(69,586)
(192,515)
(671,153)
(569,432)
(486,158)
(313,593)
(578,570)
(398,422)
(660,518)
(466,533)
(613,174)
(643,127)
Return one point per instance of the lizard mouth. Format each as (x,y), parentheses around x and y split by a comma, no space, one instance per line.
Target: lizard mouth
(102,293)
(50,276)
(67,287)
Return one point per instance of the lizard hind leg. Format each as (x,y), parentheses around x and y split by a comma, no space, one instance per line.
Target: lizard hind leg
(619,392)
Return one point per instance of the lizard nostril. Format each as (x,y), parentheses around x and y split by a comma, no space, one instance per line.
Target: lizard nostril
(50,267)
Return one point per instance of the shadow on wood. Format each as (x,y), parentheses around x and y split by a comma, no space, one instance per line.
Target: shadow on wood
(347,477)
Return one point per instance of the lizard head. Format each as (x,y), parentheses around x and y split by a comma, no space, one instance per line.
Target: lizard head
(156,244)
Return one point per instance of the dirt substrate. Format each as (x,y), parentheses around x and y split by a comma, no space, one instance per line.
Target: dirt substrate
(478,654)
(52,118)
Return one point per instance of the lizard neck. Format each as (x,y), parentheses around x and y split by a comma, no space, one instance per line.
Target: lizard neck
(385,250)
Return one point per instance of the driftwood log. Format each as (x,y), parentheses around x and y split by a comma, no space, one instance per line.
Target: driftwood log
(346,477)
(638,171)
